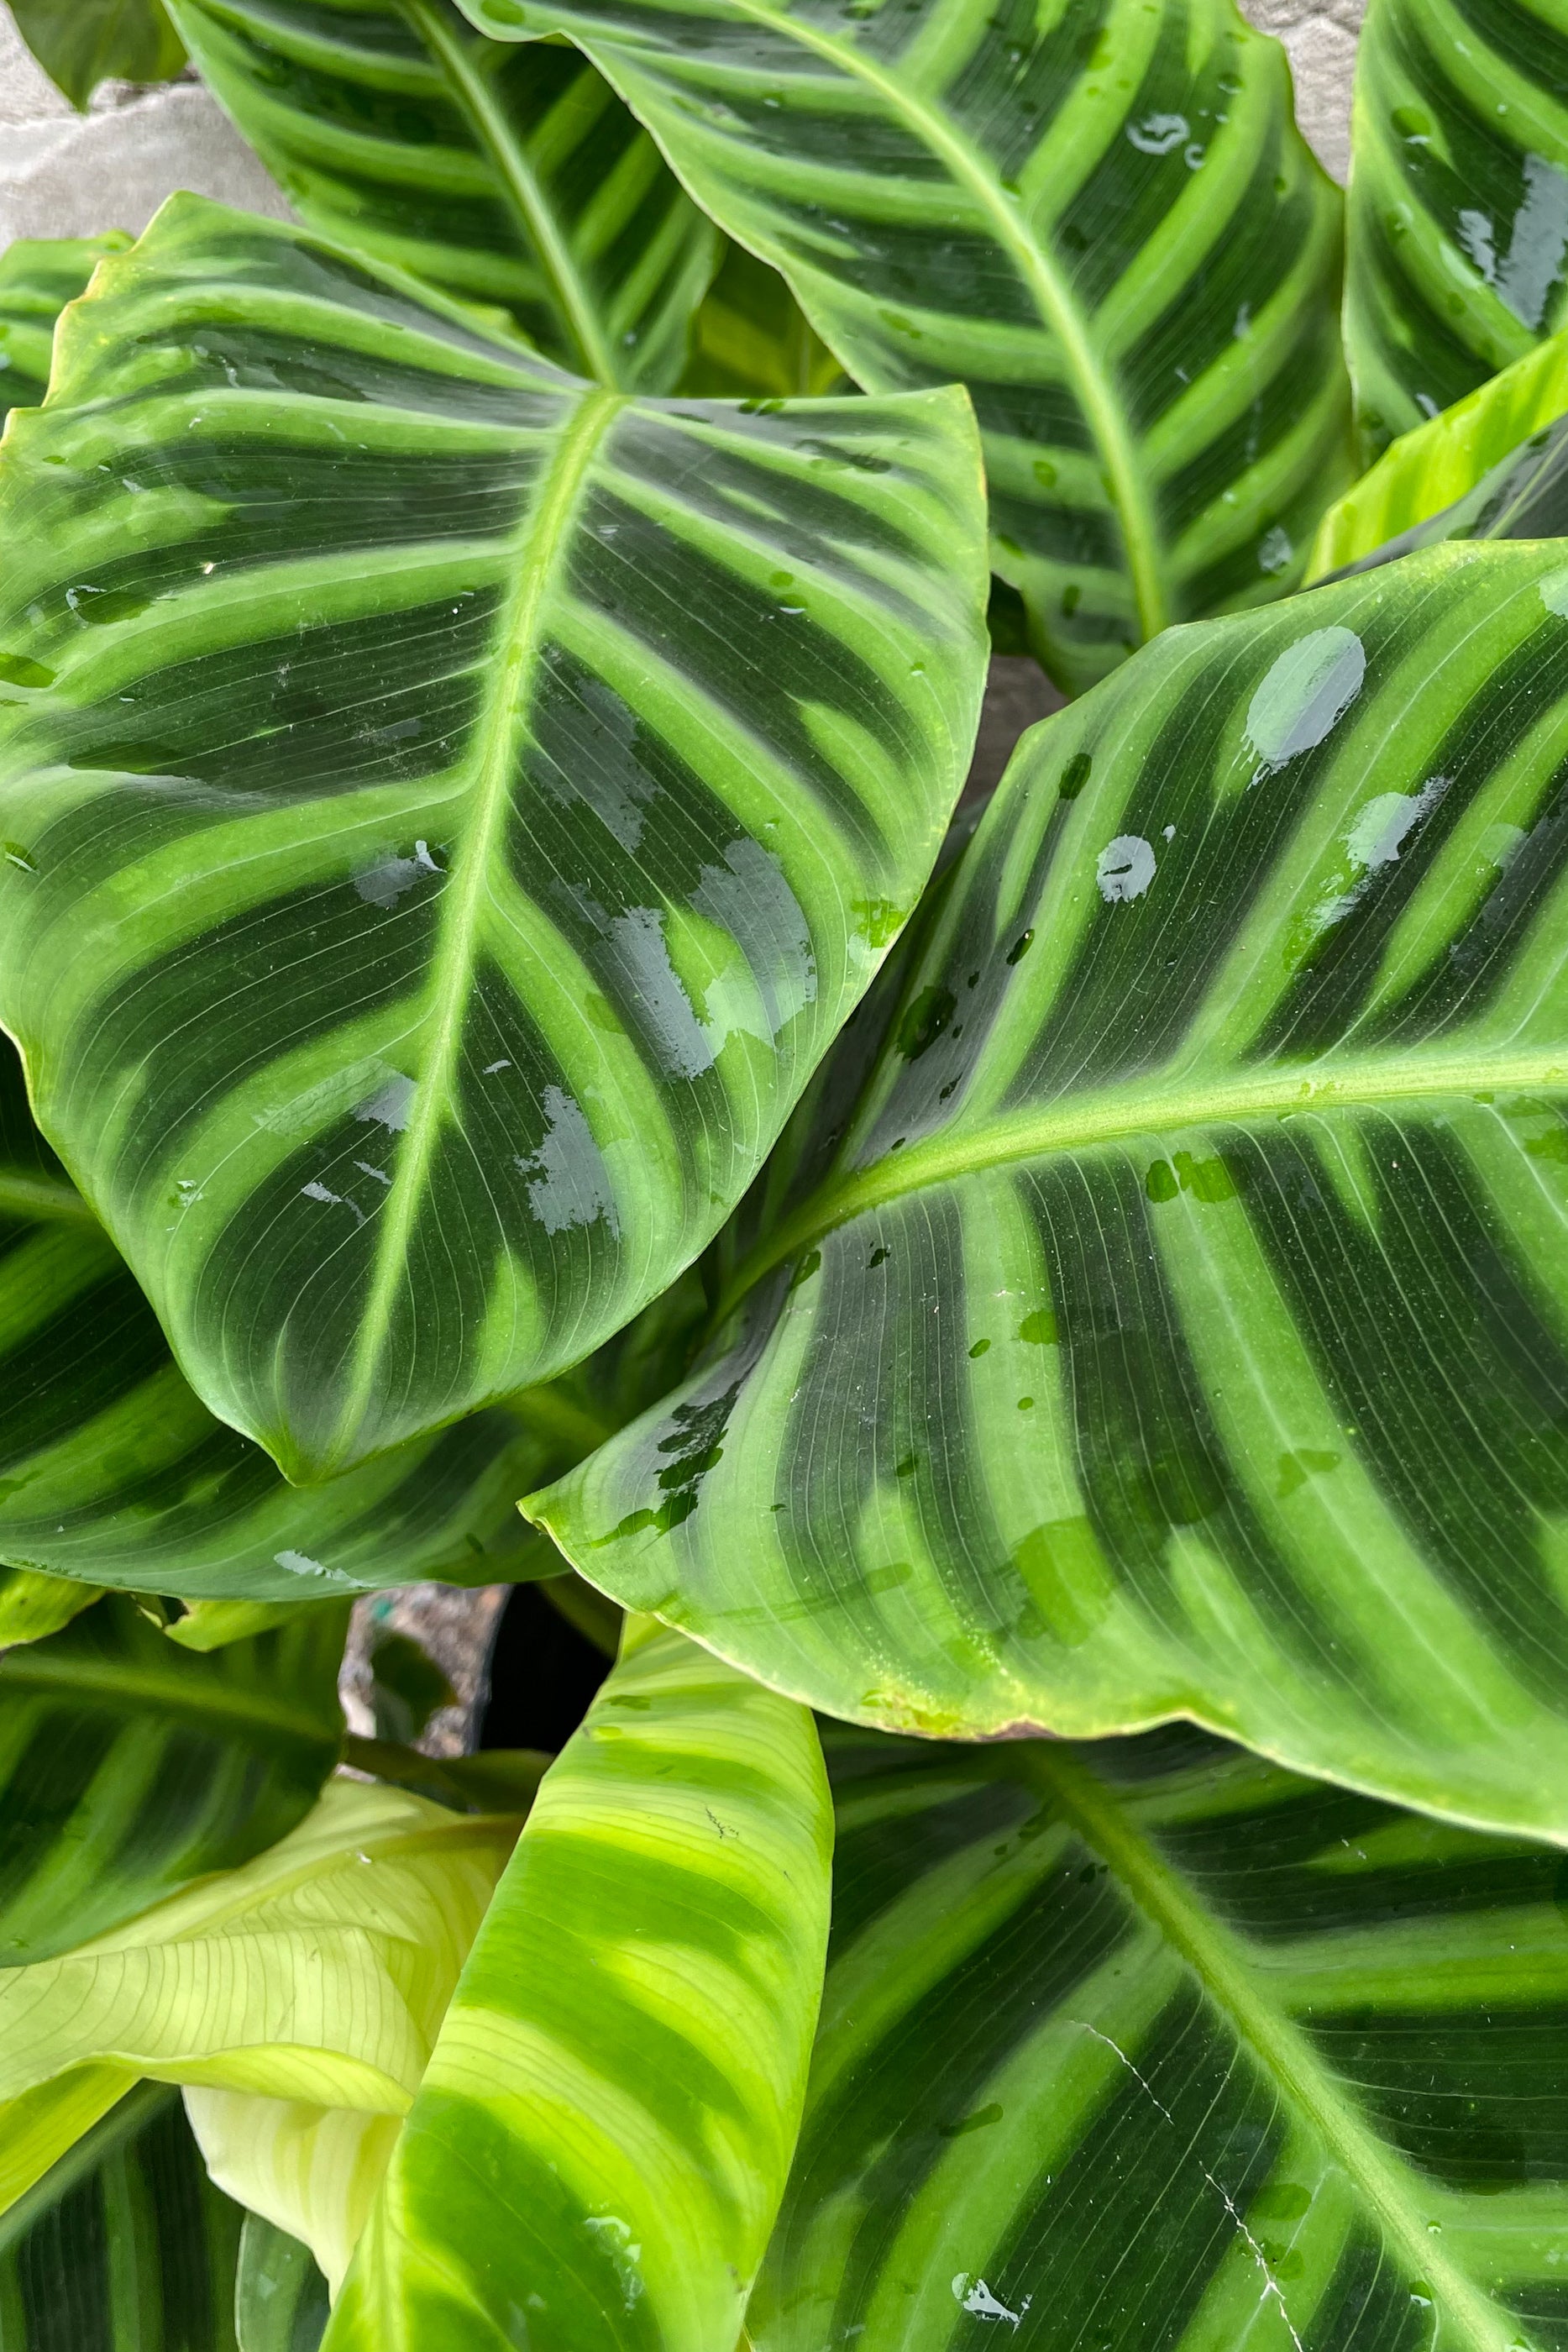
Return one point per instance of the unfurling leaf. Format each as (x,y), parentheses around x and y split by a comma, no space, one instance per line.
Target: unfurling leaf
(127,1767)
(1181,1325)
(505,176)
(38,276)
(1107,226)
(1457,225)
(1492,467)
(1155,2044)
(458,818)
(599,2147)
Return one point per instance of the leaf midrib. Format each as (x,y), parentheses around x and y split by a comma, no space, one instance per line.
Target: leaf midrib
(1277,2044)
(1080,1124)
(537,554)
(1038,270)
(504,151)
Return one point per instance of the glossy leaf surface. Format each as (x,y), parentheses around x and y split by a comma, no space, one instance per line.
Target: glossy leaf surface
(1109,229)
(280,2296)
(125,2246)
(536,779)
(1459,207)
(114,1473)
(597,2150)
(129,1766)
(1155,2044)
(1485,468)
(38,276)
(504,175)
(81,43)
(1180,1327)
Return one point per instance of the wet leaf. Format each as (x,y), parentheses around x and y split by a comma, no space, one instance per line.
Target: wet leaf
(516,787)
(1182,1329)
(507,176)
(1152,2043)
(1108,228)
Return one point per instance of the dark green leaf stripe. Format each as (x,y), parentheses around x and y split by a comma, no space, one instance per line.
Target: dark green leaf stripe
(111,1471)
(1102,219)
(125,2246)
(1181,1328)
(597,2152)
(280,2296)
(1154,2044)
(506,176)
(1485,468)
(38,276)
(1459,207)
(129,1766)
(457,825)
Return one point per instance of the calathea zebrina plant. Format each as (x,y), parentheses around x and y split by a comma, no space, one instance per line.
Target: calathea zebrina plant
(1049,1319)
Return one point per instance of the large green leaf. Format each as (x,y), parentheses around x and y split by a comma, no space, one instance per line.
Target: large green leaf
(125,2246)
(1488,467)
(113,1471)
(599,2148)
(504,175)
(38,276)
(129,1766)
(465,807)
(1181,1325)
(81,43)
(1107,225)
(1156,2045)
(1458,205)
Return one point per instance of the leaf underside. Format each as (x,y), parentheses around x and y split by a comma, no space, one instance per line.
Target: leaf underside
(1485,468)
(1457,222)
(1106,225)
(1155,2043)
(1181,1328)
(507,176)
(532,779)
(597,2151)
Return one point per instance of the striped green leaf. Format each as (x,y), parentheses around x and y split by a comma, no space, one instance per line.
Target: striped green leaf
(599,2148)
(1155,2044)
(1459,205)
(114,1473)
(129,1766)
(465,807)
(295,1976)
(1105,223)
(125,2246)
(1488,468)
(1180,1327)
(81,43)
(280,2296)
(38,276)
(505,175)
